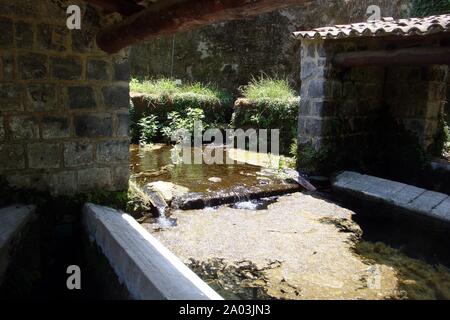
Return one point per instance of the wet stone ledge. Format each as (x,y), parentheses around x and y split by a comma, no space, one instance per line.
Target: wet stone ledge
(407,198)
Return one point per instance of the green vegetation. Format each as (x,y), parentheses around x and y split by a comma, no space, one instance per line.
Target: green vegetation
(183,121)
(148,127)
(269,104)
(422,8)
(169,106)
(268,89)
(164,89)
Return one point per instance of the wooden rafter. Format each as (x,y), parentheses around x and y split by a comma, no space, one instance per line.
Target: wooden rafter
(408,56)
(182,16)
(124,7)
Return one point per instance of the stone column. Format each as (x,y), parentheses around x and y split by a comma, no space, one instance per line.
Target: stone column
(319,91)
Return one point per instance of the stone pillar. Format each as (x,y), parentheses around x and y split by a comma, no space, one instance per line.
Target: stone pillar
(337,105)
(63,102)
(319,92)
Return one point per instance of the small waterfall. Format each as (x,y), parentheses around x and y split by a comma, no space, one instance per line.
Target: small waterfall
(161,205)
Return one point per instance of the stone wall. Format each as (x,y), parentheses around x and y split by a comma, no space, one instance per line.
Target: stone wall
(416,97)
(63,102)
(340,107)
(229,54)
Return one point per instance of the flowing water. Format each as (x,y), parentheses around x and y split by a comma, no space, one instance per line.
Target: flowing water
(297,234)
(209,185)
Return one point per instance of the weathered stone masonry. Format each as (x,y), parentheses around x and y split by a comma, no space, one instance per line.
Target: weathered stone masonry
(342,102)
(63,102)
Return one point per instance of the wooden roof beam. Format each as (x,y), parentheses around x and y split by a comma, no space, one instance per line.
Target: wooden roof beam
(124,7)
(408,56)
(181,16)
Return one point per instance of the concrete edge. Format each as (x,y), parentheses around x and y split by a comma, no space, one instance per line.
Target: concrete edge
(13,219)
(147,268)
(386,192)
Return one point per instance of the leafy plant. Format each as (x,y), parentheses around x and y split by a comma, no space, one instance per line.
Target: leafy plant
(183,121)
(134,127)
(149,127)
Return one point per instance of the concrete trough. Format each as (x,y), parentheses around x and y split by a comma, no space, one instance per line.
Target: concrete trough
(13,222)
(407,198)
(147,269)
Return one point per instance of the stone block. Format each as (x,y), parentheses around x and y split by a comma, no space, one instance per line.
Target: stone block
(97,69)
(121,177)
(44,156)
(305,107)
(12,156)
(54,127)
(24,35)
(51,37)
(317,89)
(95,179)
(23,8)
(317,127)
(63,183)
(323,109)
(89,125)
(7,33)
(78,154)
(116,97)
(7,65)
(427,201)
(2,130)
(122,69)
(405,195)
(123,125)
(381,188)
(82,41)
(442,211)
(68,68)
(24,127)
(36,181)
(10,97)
(81,97)
(308,69)
(41,97)
(113,151)
(33,66)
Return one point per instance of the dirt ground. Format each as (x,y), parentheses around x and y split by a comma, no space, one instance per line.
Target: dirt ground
(301,247)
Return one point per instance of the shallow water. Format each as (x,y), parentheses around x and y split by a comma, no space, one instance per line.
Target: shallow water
(155,164)
(412,269)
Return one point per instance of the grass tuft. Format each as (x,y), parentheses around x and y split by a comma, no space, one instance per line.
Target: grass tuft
(164,88)
(267,88)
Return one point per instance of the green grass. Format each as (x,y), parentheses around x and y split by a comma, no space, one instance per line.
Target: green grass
(161,88)
(266,88)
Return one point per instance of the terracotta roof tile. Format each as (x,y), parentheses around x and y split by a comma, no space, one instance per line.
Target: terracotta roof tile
(380,28)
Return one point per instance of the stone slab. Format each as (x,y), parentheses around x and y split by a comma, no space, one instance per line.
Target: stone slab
(409,198)
(427,201)
(405,195)
(147,269)
(442,211)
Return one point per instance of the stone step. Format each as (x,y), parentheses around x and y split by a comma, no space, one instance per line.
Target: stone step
(427,203)
(13,220)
